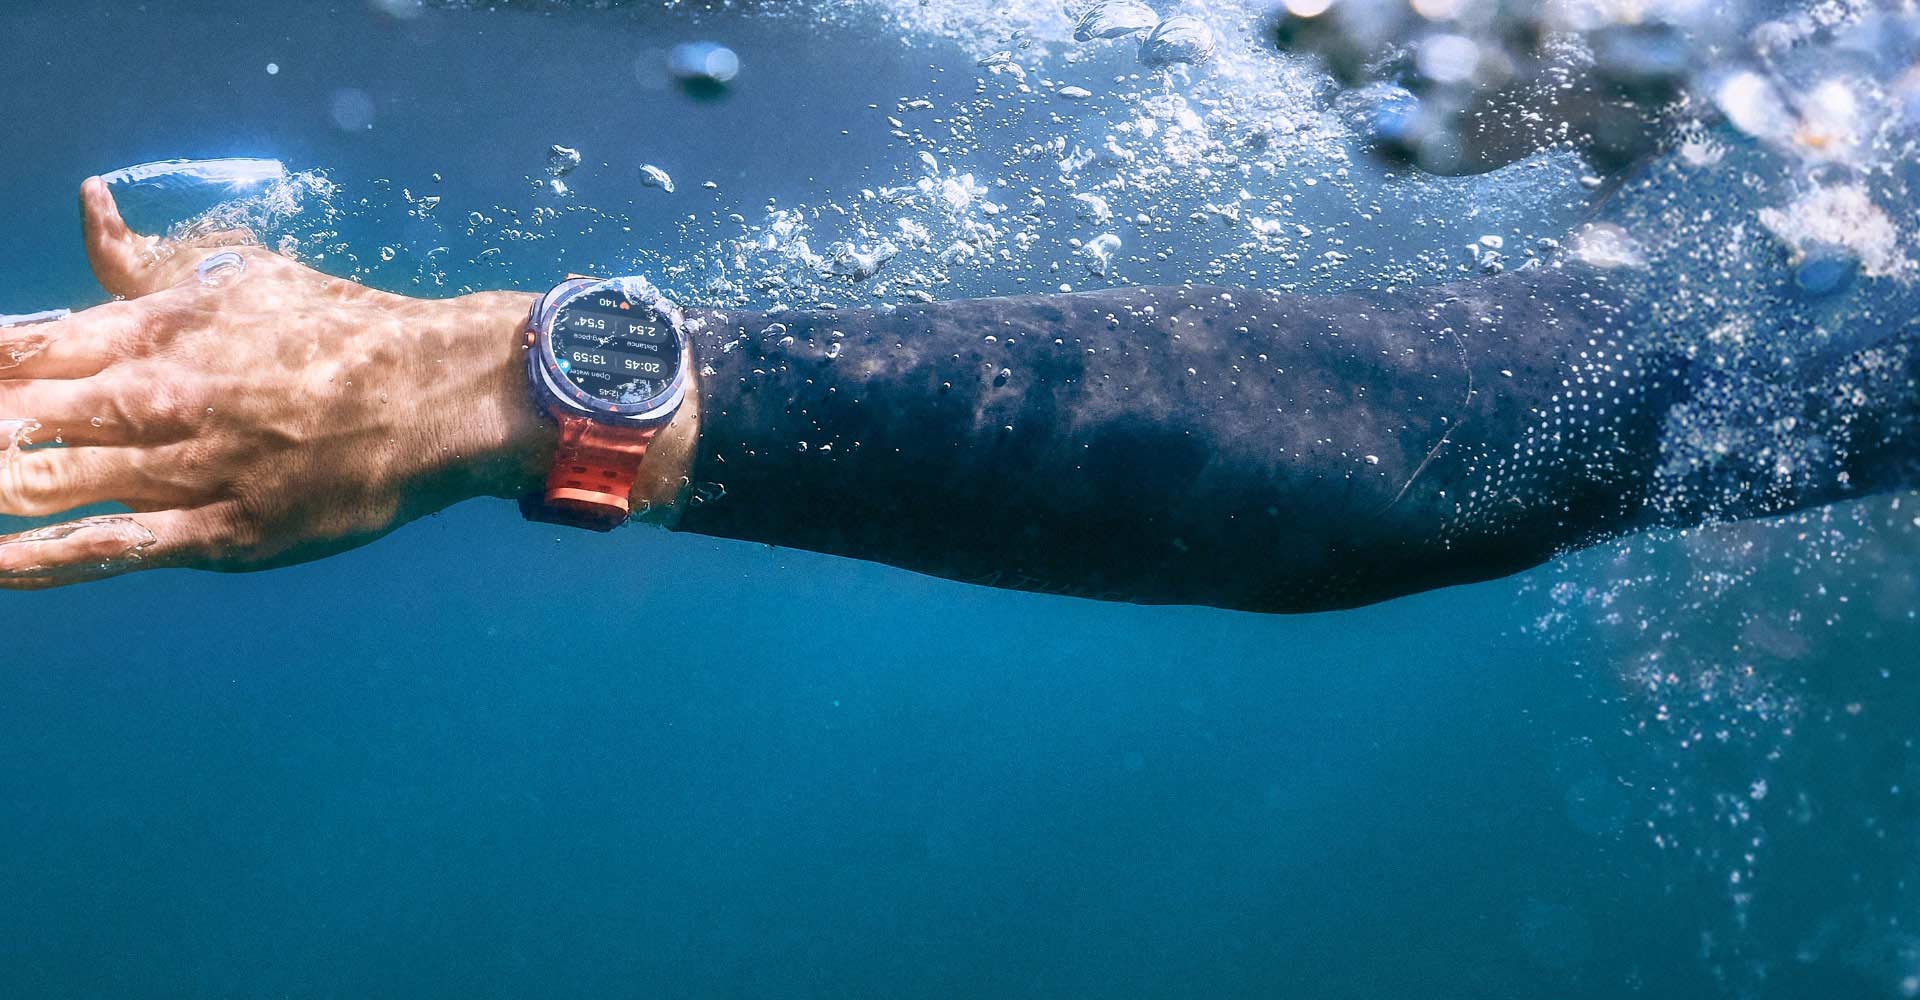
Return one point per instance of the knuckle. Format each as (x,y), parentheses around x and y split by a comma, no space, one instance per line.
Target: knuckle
(242,532)
(13,493)
(28,485)
(43,478)
(207,540)
(193,460)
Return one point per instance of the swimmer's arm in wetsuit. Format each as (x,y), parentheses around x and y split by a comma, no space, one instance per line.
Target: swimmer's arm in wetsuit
(1184,445)
(1188,445)
(1231,447)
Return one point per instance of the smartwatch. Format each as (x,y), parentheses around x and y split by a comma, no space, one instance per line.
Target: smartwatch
(604,361)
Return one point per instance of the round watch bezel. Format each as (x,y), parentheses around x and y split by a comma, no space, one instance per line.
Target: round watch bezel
(560,391)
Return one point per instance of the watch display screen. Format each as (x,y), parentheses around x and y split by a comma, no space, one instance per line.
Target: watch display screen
(615,347)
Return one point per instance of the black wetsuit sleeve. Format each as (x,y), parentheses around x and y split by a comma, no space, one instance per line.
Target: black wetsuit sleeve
(1192,445)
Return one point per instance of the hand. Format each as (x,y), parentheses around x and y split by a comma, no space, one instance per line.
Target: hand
(259,415)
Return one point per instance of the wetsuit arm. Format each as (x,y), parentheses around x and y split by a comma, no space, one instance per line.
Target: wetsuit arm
(1173,445)
(1234,448)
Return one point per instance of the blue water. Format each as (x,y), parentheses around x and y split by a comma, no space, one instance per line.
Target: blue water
(487,758)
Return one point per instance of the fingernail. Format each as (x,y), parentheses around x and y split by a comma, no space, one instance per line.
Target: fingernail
(75,550)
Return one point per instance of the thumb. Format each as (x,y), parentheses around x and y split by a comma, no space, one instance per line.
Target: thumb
(122,260)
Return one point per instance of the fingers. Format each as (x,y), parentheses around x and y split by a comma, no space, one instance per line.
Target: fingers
(122,260)
(103,409)
(47,481)
(97,547)
(83,344)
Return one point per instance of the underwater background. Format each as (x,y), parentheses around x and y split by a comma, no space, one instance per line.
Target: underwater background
(483,757)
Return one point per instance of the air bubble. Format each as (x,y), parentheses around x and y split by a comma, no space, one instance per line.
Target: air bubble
(654,177)
(1182,38)
(1115,19)
(562,160)
(220,268)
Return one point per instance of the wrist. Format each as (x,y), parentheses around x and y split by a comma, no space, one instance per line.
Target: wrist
(504,438)
(482,412)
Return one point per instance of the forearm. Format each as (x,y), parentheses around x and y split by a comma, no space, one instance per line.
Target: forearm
(1180,445)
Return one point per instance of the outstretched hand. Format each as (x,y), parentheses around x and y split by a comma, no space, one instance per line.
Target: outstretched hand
(248,411)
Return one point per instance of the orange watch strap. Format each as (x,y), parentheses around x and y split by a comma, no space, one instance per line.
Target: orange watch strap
(591,482)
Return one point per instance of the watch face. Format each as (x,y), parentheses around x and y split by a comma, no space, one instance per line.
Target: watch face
(615,348)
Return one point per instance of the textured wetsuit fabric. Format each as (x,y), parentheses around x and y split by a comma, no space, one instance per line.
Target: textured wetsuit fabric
(1205,445)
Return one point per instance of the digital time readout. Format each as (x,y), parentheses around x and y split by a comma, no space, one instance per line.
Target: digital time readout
(614,348)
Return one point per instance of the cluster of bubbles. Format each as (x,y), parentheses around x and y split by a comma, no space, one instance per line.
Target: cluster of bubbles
(1150,149)
(564,160)
(1764,727)
(1445,83)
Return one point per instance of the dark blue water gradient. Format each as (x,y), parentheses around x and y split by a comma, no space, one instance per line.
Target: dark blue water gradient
(487,758)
